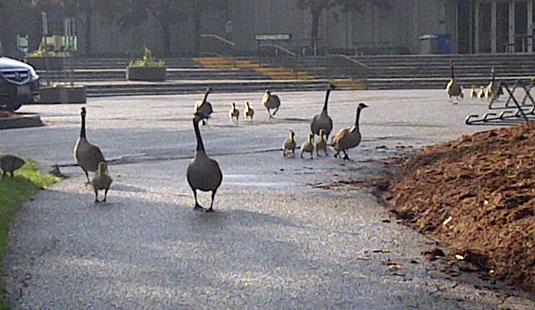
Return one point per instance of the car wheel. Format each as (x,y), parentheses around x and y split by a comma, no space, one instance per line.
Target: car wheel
(14,105)
(10,104)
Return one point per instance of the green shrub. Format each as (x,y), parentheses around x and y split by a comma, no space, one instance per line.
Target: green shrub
(147,61)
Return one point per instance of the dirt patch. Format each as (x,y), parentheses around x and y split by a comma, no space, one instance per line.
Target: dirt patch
(477,194)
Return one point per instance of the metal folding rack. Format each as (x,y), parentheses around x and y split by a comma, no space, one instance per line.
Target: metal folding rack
(512,111)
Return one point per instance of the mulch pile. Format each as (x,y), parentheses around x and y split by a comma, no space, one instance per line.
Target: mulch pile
(477,194)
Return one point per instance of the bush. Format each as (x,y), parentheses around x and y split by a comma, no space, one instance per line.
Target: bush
(147,61)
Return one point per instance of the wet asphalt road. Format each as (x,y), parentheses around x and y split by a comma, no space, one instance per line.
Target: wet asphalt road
(276,241)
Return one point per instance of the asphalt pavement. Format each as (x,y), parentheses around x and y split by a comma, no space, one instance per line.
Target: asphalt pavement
(277,239)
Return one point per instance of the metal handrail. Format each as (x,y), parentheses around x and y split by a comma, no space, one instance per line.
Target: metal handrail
(353,60)
(219,46)
(279,48)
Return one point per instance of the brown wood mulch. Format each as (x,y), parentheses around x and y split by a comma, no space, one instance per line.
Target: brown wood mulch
(476,194)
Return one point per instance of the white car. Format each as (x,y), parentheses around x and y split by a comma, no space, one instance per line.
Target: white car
(19,84)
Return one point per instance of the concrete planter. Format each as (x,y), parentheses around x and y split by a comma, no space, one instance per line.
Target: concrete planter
(39,63)
(63,94)
(146,73)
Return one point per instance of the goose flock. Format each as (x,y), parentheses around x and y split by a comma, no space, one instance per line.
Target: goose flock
(490,91)
(203,173)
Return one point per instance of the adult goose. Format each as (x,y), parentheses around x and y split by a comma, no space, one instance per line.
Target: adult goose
(322,120)
(494,88)
(348,138)
(203,173)
(87,155)
(271,102)
(203,106)
(453,88)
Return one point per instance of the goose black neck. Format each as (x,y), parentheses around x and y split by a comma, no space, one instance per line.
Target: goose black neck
(493,75)
(326,100)
(200,145)
(452,72)
(205,96)
(82,130)
(357,118)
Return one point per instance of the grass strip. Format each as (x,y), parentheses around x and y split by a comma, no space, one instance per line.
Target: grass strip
(13,193)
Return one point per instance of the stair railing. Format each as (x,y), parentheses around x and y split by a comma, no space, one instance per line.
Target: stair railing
(214,45)
(277,55)
(345,66)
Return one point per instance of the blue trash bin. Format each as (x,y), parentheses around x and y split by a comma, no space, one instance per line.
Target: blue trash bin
(444,43)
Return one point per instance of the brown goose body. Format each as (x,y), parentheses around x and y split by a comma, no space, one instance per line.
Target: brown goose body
(271,102)
(308,146)
(87,155)
(453,88)
(289,145)
(321,144)
(248,112)
(323,121)
(101,181)
(234,113)
(9,163)
(203,173)
(348,138)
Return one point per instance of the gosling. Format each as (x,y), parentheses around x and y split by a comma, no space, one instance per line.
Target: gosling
(308,146)
(9,163)
(234,113)
(248,112)
(289,145)
(101,181)
(321,144)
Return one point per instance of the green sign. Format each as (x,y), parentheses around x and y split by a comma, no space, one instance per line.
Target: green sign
(275,36)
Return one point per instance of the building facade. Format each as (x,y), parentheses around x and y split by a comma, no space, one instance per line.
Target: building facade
(461,26)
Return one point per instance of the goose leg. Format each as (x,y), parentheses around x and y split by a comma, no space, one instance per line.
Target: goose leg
(301,154)
(346,155)
(276,109)
(96,196)
(87,176)
(197,205)
(270,116)
(211,209)
(105,194)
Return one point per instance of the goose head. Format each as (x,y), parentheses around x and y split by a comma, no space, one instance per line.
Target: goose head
(234,105)
(247,104)
(83,112)
(291,135)
(362,105)
(102,167)
(268,92)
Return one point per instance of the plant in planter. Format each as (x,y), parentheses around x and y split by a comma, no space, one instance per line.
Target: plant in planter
(146,69)
(38,59)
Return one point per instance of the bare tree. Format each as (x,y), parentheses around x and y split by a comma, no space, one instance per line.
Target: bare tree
(316,7)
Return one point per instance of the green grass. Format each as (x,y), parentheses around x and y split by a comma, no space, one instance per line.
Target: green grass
(13,193)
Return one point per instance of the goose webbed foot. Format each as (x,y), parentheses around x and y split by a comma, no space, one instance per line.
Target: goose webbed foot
(97,201)
(209,210)
(198,207)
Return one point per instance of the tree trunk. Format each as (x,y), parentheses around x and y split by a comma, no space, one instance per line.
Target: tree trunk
(197,16)
(315,28)
(166,30)
(88,35)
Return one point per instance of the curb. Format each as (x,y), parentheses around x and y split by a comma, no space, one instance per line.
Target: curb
(20,121)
